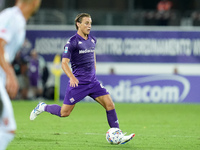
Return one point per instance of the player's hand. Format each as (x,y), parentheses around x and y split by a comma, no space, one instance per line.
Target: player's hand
(12,85)
(73,81)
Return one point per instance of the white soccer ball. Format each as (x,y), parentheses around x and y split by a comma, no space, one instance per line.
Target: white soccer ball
(114,136)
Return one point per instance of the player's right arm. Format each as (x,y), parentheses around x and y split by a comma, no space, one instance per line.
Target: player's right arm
(11,80)
(65,66)
(66,56)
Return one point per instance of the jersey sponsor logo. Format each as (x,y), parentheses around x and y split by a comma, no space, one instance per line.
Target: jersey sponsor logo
(72,100)
(86,51)
(66,49)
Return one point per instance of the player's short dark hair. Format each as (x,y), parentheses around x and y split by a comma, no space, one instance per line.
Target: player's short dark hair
(79,18)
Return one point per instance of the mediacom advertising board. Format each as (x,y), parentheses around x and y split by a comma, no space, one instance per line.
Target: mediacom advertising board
(148,88)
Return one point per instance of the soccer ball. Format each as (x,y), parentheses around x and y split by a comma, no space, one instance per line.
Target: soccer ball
(114,136)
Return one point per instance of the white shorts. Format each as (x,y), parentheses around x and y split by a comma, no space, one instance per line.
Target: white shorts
(7,120)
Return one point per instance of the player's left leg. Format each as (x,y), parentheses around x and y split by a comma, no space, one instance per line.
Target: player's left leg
(100,94)
(108,104)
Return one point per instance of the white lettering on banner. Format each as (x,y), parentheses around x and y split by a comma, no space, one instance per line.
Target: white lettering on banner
(146,47)
(196,49)
(128,46)
(50,45)
(109,46)
(132,91)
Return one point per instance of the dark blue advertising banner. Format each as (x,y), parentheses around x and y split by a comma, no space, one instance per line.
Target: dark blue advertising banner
(147,89)
(125,46)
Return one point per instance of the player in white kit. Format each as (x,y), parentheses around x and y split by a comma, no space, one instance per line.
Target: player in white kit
(12,35)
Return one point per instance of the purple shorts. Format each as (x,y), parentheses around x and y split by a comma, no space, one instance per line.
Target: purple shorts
(76,94)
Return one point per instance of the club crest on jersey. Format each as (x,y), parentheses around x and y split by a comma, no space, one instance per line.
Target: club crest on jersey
(66,49)
(92,41)
(101,85)
(72,100)
(80,42)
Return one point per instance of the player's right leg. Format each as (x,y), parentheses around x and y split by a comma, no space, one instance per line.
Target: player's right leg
(54,109)
(37,110)
(66,110)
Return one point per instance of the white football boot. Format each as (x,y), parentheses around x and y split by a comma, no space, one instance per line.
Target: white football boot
(37,110)
(127,138)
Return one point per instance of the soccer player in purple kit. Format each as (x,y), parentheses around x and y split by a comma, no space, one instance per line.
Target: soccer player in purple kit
(80,51)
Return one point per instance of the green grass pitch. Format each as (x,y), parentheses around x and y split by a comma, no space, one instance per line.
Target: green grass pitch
(157,127)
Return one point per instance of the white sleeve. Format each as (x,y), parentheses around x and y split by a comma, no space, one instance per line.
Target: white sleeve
(7,28)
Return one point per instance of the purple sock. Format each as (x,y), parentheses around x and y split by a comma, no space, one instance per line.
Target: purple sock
(112,119)
(53,109)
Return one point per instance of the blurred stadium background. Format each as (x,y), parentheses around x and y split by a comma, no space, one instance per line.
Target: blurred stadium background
(144,53)
(114,12)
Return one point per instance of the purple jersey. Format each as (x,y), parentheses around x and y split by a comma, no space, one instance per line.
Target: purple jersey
(81,55)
